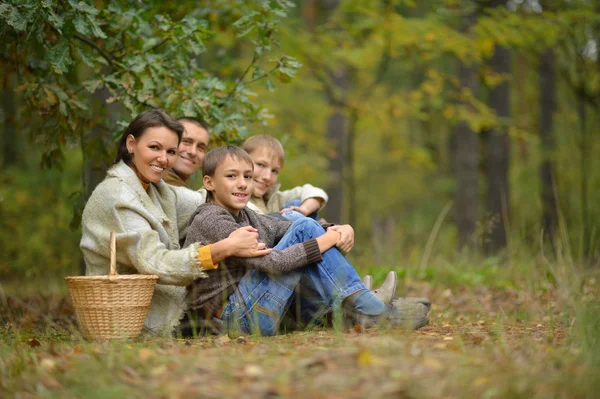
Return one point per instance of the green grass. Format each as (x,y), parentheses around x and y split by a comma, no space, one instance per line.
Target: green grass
(497,331)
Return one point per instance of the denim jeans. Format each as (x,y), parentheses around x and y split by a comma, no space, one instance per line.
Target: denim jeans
(262,299)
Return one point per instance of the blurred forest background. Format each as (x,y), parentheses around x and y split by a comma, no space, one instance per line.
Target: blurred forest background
(444,131)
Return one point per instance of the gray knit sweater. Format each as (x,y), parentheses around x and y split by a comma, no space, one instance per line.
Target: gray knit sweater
(211,223)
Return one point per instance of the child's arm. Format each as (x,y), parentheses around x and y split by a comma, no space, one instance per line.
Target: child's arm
(213,223)
(312,198)
(308,207)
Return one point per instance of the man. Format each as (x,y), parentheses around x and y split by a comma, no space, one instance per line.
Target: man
(191,150)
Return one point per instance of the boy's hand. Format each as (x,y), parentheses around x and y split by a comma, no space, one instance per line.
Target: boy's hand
(346,241)
(244,243)
(309,206)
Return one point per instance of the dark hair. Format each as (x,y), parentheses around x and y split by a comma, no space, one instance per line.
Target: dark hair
(196,121)
(216,157)
(152,118)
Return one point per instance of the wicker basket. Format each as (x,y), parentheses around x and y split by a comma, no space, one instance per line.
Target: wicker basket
(112,306)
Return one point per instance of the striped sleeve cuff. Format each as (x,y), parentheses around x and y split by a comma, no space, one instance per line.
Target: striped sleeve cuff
(313,254)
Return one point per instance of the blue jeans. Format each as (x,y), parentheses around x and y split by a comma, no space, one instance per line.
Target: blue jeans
(263,299)
(294,215)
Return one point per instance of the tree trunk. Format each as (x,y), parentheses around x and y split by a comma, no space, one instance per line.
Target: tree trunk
(498,151)
(337,126)
(464,147)
(547,176)
(10,138)
(337,133)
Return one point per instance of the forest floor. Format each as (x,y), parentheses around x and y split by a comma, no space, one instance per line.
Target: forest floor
(487,339)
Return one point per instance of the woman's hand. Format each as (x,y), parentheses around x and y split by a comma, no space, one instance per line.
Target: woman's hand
(346,241)
(244,243)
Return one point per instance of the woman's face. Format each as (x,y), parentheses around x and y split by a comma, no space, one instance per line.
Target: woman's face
(154,152)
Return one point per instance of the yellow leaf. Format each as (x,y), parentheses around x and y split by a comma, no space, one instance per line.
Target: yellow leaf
(145,354)
(159,370)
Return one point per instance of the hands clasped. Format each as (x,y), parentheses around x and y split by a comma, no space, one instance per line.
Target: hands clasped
(244,243)
(346,241)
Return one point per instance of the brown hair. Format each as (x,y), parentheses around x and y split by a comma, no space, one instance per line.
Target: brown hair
(217,156)
(152,118)
(259,141)
(196,121)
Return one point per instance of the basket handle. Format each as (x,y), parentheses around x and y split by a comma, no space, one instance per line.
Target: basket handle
(113,254)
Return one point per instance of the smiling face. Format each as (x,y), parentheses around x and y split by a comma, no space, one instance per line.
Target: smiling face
(267,166)
(192,148)
(154,153)
(231,184)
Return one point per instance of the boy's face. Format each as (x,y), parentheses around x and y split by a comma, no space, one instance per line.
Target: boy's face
(266,170)
(231,184)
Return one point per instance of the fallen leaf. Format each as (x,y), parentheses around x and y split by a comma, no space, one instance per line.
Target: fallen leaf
(158,370)
(129,375)
(48,364)
(253,370)
(145,354)
(50,383)
(433,363)
(223,339)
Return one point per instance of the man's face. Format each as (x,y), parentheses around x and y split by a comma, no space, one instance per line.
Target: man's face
(266,170)
(192,148)
(231,184)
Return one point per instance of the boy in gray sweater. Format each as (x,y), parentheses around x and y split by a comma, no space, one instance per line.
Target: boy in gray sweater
(251,295)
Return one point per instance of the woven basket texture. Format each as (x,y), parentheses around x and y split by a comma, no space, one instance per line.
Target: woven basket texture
(111,307)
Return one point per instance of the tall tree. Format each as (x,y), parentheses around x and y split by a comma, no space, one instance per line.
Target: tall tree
(547,108)
(464,147)
(498,147)
(10,139)
(337,133)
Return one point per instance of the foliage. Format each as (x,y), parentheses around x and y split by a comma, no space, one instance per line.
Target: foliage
(65,51)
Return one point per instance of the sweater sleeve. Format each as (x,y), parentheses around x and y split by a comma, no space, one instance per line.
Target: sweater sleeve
(138,241)
(139,246)
(213,223)
(303,193)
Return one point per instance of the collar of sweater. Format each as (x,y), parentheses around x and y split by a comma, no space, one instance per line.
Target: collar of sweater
(271,192)
(125,174)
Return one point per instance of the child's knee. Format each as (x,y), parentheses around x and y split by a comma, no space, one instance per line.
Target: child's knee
(309,226)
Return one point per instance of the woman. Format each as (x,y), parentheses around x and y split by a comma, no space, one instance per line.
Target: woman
(150,218)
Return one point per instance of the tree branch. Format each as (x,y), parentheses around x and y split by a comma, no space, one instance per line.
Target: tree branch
(91,44)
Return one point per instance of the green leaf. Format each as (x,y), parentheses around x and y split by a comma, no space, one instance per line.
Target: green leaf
(16,19)
(269,84)
(86,60)
(81,25)
(96,30)
(188,108)
(59,56)
(83,7)
(56,20)
(163,22)
(92,85)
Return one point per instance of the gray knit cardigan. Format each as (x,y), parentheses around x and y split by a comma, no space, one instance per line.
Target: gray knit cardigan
(148,226)
(211,223)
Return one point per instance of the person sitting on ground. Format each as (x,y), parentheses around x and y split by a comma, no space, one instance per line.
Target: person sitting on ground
(303,201)
(190,151)
(149,218)
(268,157)
(253,295)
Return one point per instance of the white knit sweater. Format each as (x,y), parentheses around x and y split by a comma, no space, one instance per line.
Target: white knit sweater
(148,226)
